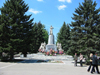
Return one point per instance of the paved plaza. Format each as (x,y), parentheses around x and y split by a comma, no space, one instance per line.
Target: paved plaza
(30,67)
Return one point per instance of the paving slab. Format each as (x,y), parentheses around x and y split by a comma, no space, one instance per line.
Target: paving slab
(30,67)
(66,68)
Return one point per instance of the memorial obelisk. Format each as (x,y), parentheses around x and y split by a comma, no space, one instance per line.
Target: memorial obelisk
(51,43)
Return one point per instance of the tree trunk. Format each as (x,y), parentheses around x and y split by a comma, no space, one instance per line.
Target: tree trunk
(25,54)
(11,55)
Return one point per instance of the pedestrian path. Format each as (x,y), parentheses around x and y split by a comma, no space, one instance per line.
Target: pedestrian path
(30,67)
(66,68)
(67,64)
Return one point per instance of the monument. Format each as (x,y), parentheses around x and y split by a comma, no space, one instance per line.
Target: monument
(51,43)
(51,46)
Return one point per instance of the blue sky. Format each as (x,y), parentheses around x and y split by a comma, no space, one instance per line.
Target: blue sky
(52,12)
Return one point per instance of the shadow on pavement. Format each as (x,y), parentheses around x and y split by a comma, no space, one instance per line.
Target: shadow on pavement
(78,64)
(33,61)
(25,61)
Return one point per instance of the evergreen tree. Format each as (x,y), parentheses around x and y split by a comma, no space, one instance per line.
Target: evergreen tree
(85,36)
(64,36)
(68,37)
(45,34)
(15,27)
(40,35)
(0,40)
(34,39)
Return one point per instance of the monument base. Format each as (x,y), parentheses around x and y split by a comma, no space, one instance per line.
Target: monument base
(51,40)
(49,47)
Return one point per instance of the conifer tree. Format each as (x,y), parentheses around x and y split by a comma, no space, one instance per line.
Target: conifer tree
(85,36)
(45,34)
(34,40)
(64,36)
(15,27)
(40,35)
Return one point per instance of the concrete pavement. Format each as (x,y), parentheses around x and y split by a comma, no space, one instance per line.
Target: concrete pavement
(66,68)
(31,66)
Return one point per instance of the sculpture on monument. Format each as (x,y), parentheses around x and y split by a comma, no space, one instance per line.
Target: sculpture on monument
(51,44)
(42,47)
(51,37)
(51,31)
(50,48)
(59,48)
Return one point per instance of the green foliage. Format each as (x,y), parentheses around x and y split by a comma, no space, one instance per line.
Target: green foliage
(85,29)
(4,56)
(63,37)
(15,27)
(40,35)
(45,34)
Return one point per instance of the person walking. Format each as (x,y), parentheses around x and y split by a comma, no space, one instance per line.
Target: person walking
(91,58)
(95,63)
(75,58)
(81,58)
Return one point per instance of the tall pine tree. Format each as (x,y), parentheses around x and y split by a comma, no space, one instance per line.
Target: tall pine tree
(34,39)
(15,27)
(63,36)
(40,35)
(45,34)
(85,38)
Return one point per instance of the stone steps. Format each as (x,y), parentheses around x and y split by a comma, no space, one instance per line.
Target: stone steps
(43,57)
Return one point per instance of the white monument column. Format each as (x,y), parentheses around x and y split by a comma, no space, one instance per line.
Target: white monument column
(51,44)
(51,37)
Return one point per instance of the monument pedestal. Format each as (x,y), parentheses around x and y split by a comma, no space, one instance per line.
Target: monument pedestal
(49,47)
(51,39)
(51,43)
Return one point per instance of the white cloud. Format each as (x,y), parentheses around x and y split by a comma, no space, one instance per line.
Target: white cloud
(61,0)
(62,7)
(40,0)
(34,11)
(69,1)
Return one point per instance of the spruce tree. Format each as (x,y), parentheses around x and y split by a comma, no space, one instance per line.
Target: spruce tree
(40,35)
(45,34)
(64,36)
(15,27)
(86,18)
(34,39)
